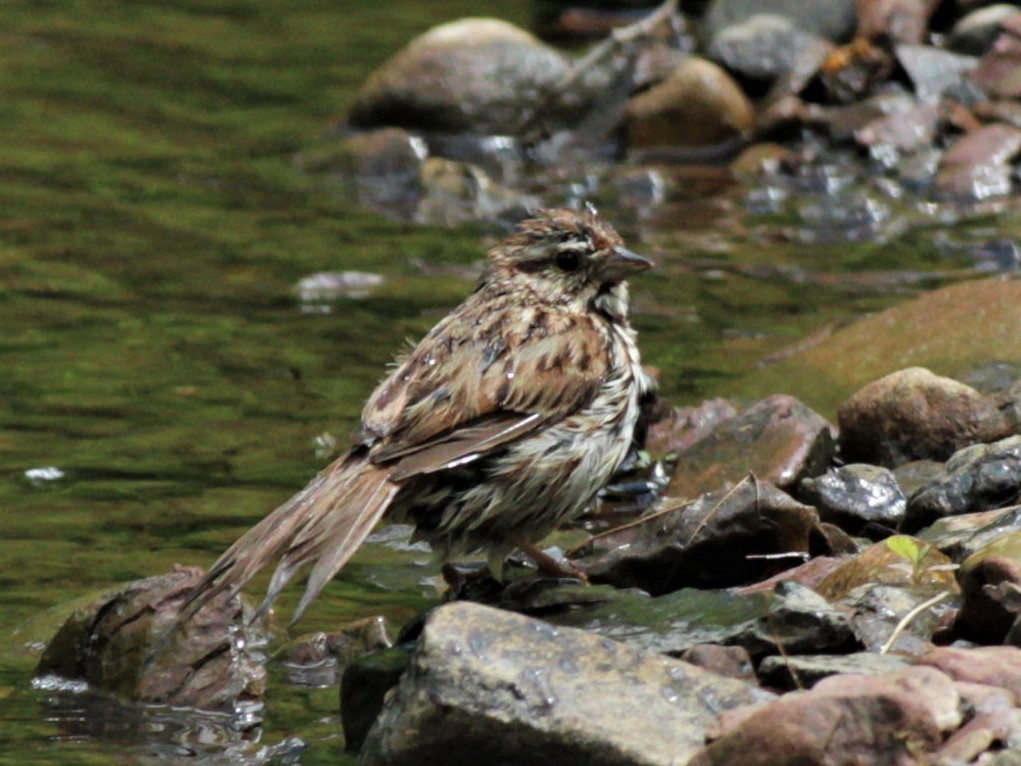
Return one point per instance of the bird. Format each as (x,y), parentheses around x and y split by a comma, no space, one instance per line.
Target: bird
(499,427)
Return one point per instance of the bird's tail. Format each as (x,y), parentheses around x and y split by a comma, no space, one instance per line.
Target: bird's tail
(323,525)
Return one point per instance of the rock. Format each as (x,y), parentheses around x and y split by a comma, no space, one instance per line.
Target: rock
(842,122)
(799,621)
(729,661)
(697,105)
(989,579)
(985,732)
(831,19)
(811,573)
(486,686)
(951,330)
(934,71)
(854,495)
(997,71)
(384,168)
(474,75)
(128,642)
(916,474)
(975,33)
(684,426)
(455,193)
(671,624)
(899,21)
(913,414)
(906,130)
(766,46)
(319,659)
(998,666)
(722,539)
(899,560)
(845,720)
(363,687)
(977,165)
(978,478)
(778,439)
(801,671)
(853,71)
(961,536)
(879,609)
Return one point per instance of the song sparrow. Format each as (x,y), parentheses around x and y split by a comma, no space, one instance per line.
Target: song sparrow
(497,428)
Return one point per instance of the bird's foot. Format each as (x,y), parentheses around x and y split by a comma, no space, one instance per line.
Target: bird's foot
(553,566)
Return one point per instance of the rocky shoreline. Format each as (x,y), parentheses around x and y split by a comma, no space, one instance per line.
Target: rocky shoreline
(792,590)
(841,593)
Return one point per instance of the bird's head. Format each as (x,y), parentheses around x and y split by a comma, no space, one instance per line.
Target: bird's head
(569,258)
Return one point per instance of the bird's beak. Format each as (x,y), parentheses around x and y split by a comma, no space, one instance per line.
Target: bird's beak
(621,263)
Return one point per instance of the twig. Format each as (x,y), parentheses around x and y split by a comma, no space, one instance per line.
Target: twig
(906,620)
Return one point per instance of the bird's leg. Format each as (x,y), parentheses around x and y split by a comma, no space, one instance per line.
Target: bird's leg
(549,565)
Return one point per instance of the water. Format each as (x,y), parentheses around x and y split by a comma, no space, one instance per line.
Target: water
(163,387)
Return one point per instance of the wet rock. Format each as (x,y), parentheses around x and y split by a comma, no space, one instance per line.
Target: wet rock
(811,573)
(778,439)
(913,414)
(319,659)
(363,687)
(977,165)
(843,122)
(990,579)
(854,495)
(831,19)
(722,539)
(766,46)
(454,193)
(973,321)
(799,621)
(961,536)
(975,33)
(729,661)
(684,426)
(934,71)
(879,611)
(697,105)
(997,71)
(801,671)
(978,478)
(844,720)
(916,474)
(385,166)
(485,686)
(900,561)
(473,75)
(670,624)
(129,642)
(998,666)
(906,130)
(899,21)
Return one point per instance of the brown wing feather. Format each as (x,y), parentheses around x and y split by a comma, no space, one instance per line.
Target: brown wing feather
(476,390)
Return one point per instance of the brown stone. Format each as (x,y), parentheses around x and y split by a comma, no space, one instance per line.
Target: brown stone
(913,414)
(698,104)
(778,439)
(844,720)
(990,665)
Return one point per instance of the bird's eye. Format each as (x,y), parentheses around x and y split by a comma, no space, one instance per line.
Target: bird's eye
(568,260)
